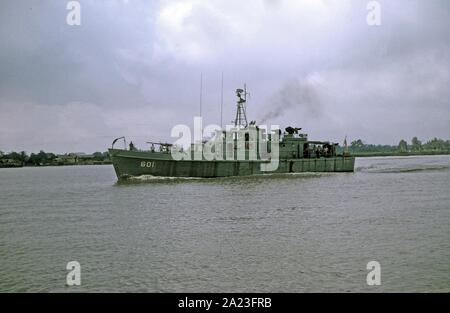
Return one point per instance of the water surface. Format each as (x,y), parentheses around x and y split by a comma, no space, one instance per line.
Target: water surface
(277,233)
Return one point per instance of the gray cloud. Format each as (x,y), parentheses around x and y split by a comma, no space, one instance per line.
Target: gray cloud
(132,68)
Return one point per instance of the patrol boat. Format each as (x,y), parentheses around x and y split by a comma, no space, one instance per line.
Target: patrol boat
(243,149)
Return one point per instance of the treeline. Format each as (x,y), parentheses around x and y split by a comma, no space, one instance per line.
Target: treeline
(14,159)
(356,147)
(414,146)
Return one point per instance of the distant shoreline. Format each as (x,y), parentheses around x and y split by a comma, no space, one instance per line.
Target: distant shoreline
(21,159)
(387,154)
(358,154)
(53,165)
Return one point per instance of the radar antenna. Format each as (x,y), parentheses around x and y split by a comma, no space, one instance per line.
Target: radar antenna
(241,116)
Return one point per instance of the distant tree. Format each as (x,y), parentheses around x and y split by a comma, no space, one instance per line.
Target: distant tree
(98,156)
(357,144)
(42,157)
(14,156)
(403,146)
(34,159)
(416,144)
(23,157)
(106,155)
(436,144)
(50,157)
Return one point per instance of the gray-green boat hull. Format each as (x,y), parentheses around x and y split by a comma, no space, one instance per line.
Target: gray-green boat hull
(137,163)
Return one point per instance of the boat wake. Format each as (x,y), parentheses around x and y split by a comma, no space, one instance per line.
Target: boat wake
(131,180)
(404,165)
(401,170)
(154,179)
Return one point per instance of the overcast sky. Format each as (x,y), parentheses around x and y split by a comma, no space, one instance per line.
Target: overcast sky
(133,68)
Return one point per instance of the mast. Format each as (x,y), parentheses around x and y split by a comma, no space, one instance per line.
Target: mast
(241,116)
(201,92)
(221,104)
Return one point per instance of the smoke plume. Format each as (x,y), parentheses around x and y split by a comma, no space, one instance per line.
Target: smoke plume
(296,93)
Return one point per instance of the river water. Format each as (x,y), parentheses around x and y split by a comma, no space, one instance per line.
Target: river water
(277,233)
